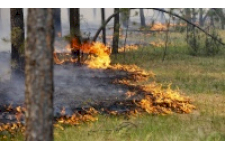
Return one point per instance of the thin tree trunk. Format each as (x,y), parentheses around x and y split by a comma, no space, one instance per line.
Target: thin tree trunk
(75,32)
(103,22)
(124,17)
(201,23)
(57,22)
(142,17)
(39,74)
(212,21)
(17,40)
(194,17)
(116,32)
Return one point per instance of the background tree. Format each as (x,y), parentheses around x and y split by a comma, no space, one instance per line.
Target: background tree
(39,74)
(75,31)
(142,17)
(57,22)
(219,12)
(17,40)
(103,21)
(116,32)
(125,16)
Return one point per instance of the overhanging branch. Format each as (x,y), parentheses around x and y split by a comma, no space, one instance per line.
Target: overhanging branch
(187,21)
(162,10)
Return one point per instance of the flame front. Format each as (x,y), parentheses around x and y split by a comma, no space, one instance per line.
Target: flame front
(100,58)
(98,54)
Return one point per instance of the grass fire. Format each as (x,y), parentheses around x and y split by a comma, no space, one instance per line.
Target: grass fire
(145,77)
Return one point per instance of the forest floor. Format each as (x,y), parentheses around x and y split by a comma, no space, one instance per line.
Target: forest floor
(202,78)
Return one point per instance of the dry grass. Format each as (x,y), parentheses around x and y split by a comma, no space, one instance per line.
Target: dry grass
(201,78)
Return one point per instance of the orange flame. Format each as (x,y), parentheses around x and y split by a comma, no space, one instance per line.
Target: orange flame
(98,54)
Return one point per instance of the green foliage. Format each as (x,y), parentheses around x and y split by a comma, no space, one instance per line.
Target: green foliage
(212,47)
(201,45)
(193,40)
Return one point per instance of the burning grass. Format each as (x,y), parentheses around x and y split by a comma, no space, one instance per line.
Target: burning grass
(156,100)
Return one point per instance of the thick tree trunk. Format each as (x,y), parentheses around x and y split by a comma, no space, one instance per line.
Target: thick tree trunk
(103,22)
(39,74)
(17,40)
(142,17)
(116,32)
(57,22)
(75,32)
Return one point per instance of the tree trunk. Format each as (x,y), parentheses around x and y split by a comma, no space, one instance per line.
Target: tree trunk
(75,32)
(116,32)
(39,74)
(57,22)
(103,22)
(142,17)
(125,16)
(188,14)
(212,21)
(17,40)
(219,12)
(194,17)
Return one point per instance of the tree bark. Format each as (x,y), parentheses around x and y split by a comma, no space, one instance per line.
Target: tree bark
(116,32)
(17,39)
(39,74)
(57,22)
(75,32)
(142,17)
(103,22)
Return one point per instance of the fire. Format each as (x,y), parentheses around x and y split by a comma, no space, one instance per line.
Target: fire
(100,58)
(158,27)
(164,27)
(98,54)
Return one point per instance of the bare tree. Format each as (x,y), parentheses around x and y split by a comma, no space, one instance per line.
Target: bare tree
(75,31)
(39,74)
(116,32)
(17,39)
(103,22)
(57,22)
(142,17)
